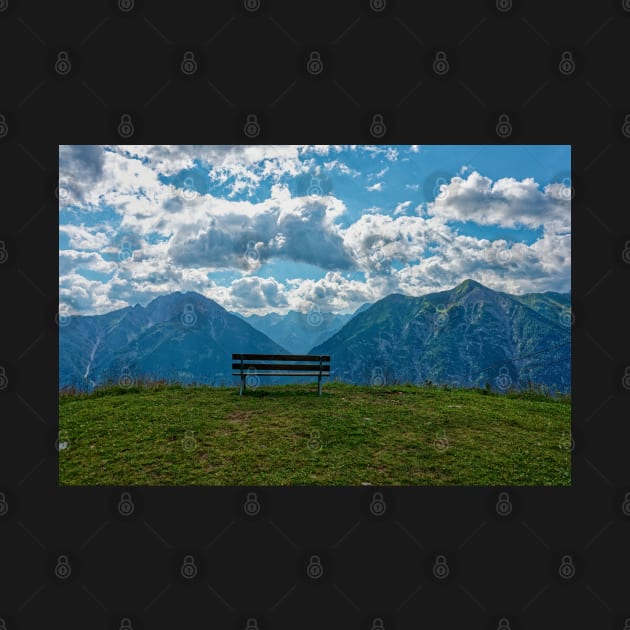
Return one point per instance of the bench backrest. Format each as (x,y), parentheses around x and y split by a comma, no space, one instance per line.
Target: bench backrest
(282,362)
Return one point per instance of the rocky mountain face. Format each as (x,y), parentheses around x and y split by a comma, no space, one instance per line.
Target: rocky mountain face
(467,336)
(183,336)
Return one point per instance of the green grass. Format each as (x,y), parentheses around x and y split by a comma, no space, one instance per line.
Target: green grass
(287,435)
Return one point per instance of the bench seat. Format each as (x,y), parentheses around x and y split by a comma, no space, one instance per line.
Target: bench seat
(245,365)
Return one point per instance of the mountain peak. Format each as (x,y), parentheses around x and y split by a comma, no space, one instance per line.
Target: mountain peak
(468,284)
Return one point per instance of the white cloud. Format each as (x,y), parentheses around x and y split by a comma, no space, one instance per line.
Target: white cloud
(72,260)
(81,237)
(375,187)
(379,174)
(401,207)
(506,202)
(203,233)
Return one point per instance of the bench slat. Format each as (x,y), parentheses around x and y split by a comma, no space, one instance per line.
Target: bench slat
(282,374)
(266,366)
(281,357)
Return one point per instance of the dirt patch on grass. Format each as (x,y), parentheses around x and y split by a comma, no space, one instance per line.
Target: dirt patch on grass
(239,416)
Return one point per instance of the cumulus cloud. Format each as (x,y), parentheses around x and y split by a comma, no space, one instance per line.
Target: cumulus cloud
(81,237)
(255,293)
(377,187)
(506,202)
(301,230)
(80,166)
(176,241)
(401,207)
(71,260)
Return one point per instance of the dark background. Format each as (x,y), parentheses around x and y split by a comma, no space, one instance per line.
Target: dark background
(376,59)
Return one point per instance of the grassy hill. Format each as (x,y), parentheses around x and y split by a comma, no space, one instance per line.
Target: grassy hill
(287,435)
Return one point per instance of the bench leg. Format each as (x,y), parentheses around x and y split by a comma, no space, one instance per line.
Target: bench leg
(319,385)
(242,386)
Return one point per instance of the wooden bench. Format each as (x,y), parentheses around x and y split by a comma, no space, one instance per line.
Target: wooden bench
(280,365)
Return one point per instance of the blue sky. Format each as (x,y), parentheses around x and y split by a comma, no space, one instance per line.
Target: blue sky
(274,228)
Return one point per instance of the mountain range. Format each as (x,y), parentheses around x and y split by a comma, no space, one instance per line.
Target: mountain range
(181,336)
(299,332)
(468,336)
